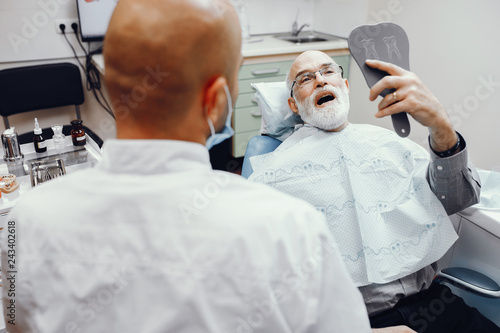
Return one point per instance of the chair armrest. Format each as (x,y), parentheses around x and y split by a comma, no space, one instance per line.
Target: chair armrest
(258,145)
(469,280)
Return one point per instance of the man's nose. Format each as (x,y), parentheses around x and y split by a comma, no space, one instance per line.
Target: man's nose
(320,80)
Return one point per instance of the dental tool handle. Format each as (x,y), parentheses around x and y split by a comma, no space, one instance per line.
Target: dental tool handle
(400,120)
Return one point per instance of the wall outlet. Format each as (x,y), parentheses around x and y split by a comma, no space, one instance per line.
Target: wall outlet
(67,23)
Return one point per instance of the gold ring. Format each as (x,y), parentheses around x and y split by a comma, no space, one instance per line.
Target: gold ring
(394,96)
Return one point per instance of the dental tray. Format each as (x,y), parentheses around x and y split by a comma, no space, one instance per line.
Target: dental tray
(45,170)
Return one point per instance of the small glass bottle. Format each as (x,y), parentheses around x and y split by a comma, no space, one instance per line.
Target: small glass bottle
(58,138)
(77,133)
(38,140)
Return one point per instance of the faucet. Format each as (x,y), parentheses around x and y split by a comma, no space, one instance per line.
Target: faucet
(295,31)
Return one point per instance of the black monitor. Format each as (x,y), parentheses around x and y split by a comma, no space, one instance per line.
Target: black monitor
(94,17)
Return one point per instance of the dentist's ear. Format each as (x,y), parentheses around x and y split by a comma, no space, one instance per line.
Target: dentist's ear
(215,101)
(293,105)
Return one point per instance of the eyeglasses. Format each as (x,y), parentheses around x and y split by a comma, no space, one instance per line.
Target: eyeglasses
(306,78)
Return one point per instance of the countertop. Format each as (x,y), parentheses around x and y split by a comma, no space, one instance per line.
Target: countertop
(266,45)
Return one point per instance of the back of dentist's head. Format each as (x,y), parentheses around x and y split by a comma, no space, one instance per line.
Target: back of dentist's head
(167,65)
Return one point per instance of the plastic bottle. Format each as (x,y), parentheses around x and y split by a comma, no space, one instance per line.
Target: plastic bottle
(38,140)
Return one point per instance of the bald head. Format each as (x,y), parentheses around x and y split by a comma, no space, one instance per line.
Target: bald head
(160,56)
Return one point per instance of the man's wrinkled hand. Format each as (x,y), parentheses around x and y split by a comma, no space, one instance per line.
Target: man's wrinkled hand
(413,97)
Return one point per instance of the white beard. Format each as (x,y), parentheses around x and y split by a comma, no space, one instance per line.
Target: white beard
(329,117)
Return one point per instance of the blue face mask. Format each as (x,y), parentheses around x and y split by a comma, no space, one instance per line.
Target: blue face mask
(228,131)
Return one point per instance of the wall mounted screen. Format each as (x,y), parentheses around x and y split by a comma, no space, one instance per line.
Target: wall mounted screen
(94,17)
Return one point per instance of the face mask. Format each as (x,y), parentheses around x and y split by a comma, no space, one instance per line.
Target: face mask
(228,131)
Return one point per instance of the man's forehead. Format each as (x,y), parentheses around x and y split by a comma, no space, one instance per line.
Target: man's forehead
(309,61)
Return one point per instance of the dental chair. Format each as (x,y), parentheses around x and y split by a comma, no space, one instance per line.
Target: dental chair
(278,121)
(26,89)
(476,288)
(258,145)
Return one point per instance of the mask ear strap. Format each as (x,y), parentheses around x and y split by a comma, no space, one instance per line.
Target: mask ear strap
(211,125)
(228,94)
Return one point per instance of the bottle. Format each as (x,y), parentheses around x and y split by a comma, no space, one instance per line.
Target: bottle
(11,147)
(245,25)
(77,133)
(38,140)
(58,137)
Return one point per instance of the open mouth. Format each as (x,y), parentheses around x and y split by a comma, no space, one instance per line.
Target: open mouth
(325,99)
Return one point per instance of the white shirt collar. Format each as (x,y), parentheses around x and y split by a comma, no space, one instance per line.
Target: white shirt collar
(153,156)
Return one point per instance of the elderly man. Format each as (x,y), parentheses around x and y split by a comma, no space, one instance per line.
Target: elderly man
(152,239)
(386,202)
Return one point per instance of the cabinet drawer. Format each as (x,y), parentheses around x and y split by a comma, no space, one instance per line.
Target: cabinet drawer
(246,85)
(245,100)
(264,70)
(247,119)
(240,142)
(245,82)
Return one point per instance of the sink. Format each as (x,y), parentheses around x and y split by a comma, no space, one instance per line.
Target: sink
(306,37)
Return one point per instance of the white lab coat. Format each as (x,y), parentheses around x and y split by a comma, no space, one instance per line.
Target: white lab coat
(153,240)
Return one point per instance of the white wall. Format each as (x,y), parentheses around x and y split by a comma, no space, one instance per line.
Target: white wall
(336,17)
(454,49)
(28,37)
(339,17)
(275,16)
(28,29)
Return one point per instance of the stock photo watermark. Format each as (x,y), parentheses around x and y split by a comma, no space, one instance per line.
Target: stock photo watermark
(31,26)
(138,94)
(460,111)
(424,315)
(222,6)
(11,273)
(394,7)
(92,306)
(202,196)
(291,282)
